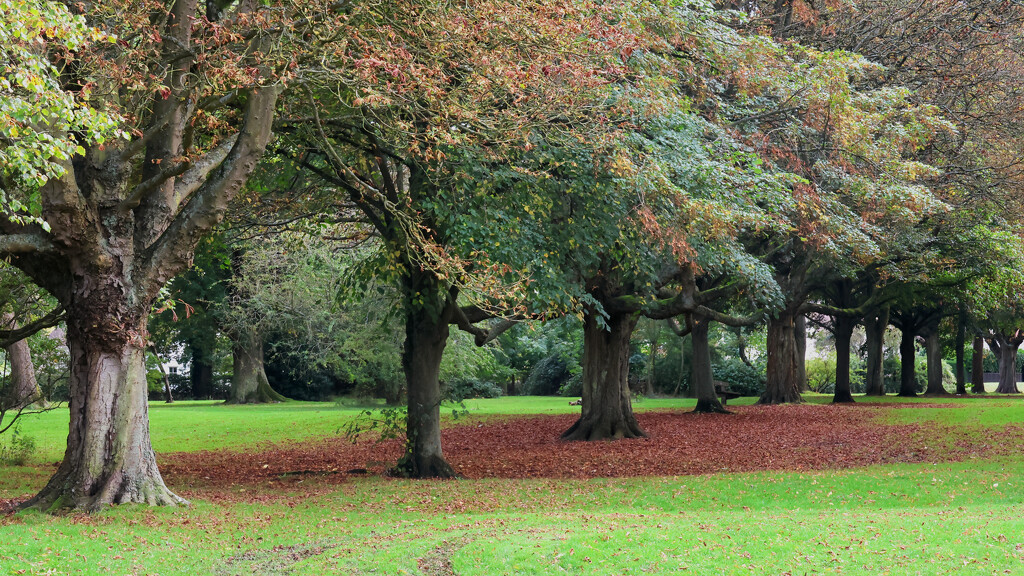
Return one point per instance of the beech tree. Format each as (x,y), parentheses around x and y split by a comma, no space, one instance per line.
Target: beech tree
(165,115)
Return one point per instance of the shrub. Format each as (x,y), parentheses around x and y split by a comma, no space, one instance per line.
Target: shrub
(744,379)
(546,377)
(17,449)
(462,389)
(573,386)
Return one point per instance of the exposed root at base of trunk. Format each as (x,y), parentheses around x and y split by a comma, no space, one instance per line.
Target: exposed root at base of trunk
(710,407)
(844,398)
(61,494)
(429,467)
(591,429)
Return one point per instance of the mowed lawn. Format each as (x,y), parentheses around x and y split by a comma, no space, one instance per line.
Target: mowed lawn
(962,517)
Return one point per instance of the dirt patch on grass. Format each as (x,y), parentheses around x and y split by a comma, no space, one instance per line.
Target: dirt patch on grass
(800,437)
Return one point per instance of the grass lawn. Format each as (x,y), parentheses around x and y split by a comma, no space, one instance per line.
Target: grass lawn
(934,518)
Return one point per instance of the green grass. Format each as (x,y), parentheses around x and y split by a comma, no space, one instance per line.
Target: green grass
(963,518)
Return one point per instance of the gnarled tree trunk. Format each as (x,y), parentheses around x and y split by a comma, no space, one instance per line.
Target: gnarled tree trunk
(933,353)
(978,366)
(109,459)
(426,336)
(874,328)
(702,379)
(908,357)
(843,334)
(249,384)
(607,410)
(1007,349)
(785,369)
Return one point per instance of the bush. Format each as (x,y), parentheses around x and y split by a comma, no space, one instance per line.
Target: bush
(821,375)
(17,449)
(546,377)
(746,380)
(572,387)
(462,389)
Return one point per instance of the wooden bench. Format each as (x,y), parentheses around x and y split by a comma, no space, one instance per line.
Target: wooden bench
(725,393)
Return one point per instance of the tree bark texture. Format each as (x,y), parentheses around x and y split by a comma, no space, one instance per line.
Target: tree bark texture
(426,336)
(785,365)
(843,334)
(978,366)
(249,384)
(933,353)
(701,377)
(24,388)
(109,459)
(1007,364)
(874,328)
(607,410)
(908,357)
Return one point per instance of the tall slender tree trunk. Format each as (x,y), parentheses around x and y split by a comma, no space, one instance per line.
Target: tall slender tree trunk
(1008,366)
(843,334)
(249,384)
(109,459)
(702,379)
(653,358)
(200,371)
(978,366)
(607,410)
(874,328)
(908,358)
(785,364)
(960,342)
(933,353)
(426,336)
(24,387)
(800,333)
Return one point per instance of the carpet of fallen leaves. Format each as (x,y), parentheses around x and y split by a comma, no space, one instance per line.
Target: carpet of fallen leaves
(791,437)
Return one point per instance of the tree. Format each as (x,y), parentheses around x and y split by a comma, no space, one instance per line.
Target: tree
(114,220)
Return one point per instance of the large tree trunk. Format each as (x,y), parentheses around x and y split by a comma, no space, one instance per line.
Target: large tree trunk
(1008,366)
(607,410)
(978,366)
(874,328)
(249,384)
(843,334)
(109,459)
(426,336)
(933,352)
(785,369)
(961,340)
(908,357)
(201,371)
(24,388)
(701,378)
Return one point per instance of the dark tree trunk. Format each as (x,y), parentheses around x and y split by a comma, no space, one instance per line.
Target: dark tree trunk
(249,384)
(800,333)
(933,352)
(201,372)
(109,459)
(24,388)
(874,328)
(978,366)
(607,410)
(785,369)
(1008,366)
(426,336)
(843,334)
(961,341)
(908,357)
(702,380)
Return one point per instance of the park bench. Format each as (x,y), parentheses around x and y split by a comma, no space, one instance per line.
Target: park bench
(725,393)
